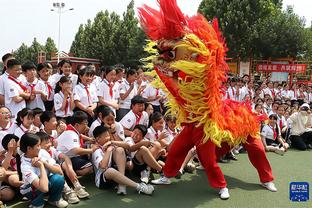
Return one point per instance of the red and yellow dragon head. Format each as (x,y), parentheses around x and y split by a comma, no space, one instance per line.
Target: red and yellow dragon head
(188,55)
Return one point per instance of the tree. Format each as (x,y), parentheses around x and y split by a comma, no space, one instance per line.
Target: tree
(34,49)
(49,48)
(280,35)
(237,19)
(22,53)
(111,39)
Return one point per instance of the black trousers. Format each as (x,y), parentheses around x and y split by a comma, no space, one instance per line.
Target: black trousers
(301,142)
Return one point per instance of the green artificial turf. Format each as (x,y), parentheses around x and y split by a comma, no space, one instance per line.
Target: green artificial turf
(193,189)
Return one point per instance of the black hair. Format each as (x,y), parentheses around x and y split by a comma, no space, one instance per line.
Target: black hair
(170,117)
(61,64)
(258,105)
(108,70)
(46,116)
(130,72)
(7,138)
(6,56)
(104,110)
(273,116)
(37,111)
(99,130)
(118,69)
(155,117)
(12,62)
(28,140)
(61,81)
(23,113)
(79,117)
(142,128)
(138,99)
(43,66)
(28,65)
(43,136)
(146,105)
(59,121)
(88,71)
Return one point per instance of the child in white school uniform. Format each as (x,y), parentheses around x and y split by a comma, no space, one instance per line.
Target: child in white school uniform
(38,93)
(24,123)
(106,92)
(106,117)
(65,67)
(104,160)
(63,99)
(141,155)
(85,95)
(37,173)
(70,143)
(127,90)
(70,195)
(135,116)
(15,93)
(44,71)
(10,144)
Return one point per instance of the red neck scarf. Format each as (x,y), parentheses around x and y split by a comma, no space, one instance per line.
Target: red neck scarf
(19,83)
(138,118)
(71,128)
(49,87)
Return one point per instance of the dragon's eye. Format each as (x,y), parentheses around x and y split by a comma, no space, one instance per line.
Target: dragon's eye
(171,54)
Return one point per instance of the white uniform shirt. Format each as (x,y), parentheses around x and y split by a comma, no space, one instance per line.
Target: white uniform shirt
(67,141)
(48,88)
(123,88)
(56,77)
(150,91)
(29,174)
(86,97)
(267,132)
(21,130)
(152,135)
(3,79)
(130,120)
(58,102)
(97,158)
(104,91)
(37,102)
(118,127)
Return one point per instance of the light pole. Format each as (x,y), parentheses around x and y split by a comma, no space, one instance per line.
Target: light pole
(59,8)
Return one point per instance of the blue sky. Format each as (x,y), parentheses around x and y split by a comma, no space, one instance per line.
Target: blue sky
(22,20)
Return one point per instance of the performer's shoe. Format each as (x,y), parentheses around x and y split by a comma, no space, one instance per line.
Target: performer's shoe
(179,175)
(145,174)
(224,193)
(200,167)
(163,180)
(270,186)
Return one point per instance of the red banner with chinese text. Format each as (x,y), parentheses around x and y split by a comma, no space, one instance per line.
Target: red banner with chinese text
(292,68)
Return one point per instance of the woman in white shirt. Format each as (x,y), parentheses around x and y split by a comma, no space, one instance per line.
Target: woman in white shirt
(301,132)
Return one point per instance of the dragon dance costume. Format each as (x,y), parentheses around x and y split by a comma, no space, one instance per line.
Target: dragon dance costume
(188,56)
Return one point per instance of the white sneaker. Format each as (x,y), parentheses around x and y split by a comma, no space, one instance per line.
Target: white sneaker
(122,190)
(280,151)
(81,192)
(145,188)
(200,167)
(71,197)
(60,203)
(32,206)
(163,180)
(224,193)
(145,175)
(270,186)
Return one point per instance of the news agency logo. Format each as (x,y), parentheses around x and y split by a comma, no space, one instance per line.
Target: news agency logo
(299,191)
